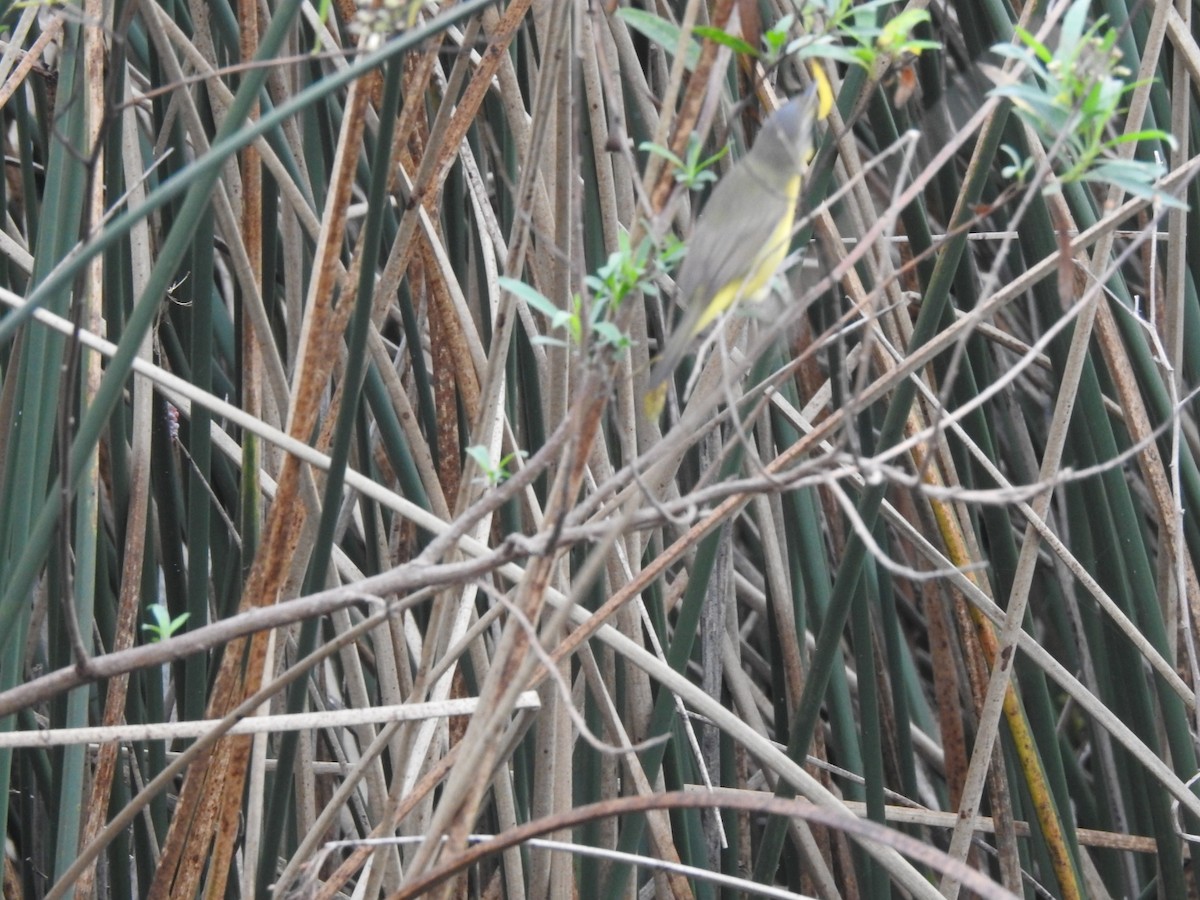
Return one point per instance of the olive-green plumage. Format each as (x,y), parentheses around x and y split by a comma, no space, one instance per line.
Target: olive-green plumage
(742,236)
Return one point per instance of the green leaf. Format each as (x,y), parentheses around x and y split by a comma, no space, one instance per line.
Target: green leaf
(1025,56)
(918,46)
(1073,24)
(775,38)
(660,150)
(1027,38)
(895,32)
(868,8)
(479,453)
(533,298)
(1131,181)
(1122,170)
(661,32)
(725,39)
(612,335)
(802,48)
(1149,134)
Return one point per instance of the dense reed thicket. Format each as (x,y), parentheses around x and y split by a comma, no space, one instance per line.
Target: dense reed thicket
(333,511)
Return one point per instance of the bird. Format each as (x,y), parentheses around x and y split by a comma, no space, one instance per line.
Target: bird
(742,235)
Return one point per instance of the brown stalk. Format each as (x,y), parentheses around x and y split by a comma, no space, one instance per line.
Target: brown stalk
(946,687)
(194,827)
(448,346)
(95,54)
(468,105)
(252,375)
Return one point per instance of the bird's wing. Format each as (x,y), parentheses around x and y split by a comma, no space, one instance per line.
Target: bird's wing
(717,255)
(729,235)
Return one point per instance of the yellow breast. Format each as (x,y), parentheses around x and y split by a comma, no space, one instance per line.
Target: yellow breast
(753,285)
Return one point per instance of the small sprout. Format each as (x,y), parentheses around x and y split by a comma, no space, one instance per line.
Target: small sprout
(626,270)
(1018,170)
(895,38)
(611,336)
(672,253)
(559,318)
(163,626)
(1074,104)
(692,172)
(863,42)
(775,39)
(498,473)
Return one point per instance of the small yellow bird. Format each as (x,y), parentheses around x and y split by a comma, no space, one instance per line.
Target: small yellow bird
(743,234)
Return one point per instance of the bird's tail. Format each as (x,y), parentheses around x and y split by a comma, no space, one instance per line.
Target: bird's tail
(663,368)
